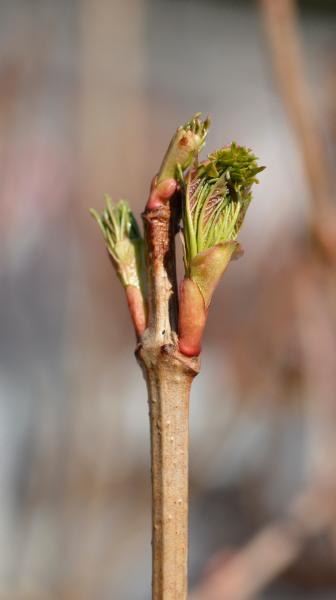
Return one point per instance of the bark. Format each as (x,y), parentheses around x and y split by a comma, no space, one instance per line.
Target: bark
(168,375)
(168,391)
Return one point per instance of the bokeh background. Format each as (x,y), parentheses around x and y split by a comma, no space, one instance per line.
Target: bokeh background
(90,94)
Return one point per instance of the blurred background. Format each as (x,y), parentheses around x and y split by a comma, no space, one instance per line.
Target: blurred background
(90,94)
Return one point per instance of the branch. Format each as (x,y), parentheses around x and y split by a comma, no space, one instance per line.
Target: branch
(271,551)
(168,347)
(281,28)
(168,375)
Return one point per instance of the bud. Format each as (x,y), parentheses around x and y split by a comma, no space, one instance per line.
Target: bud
(125,246)
(217,195)
(188,140)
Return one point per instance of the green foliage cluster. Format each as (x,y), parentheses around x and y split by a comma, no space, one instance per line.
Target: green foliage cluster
(217,195)
(123,241)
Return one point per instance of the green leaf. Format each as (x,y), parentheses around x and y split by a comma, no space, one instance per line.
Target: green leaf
(123,241)
(217,195)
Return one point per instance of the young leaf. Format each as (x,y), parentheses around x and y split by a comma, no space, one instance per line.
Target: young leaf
(123,242)
(217,195)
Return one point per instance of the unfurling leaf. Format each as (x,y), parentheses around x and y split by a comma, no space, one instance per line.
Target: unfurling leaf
(217,195)
(123,241)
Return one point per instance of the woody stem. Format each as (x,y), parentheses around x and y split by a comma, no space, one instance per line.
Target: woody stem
(168,375)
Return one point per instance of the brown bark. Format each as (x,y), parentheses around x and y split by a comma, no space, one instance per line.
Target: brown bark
(168,390)
(168,375)
(160,228)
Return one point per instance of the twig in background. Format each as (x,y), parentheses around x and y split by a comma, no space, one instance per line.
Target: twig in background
(282,31)
(270,552)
